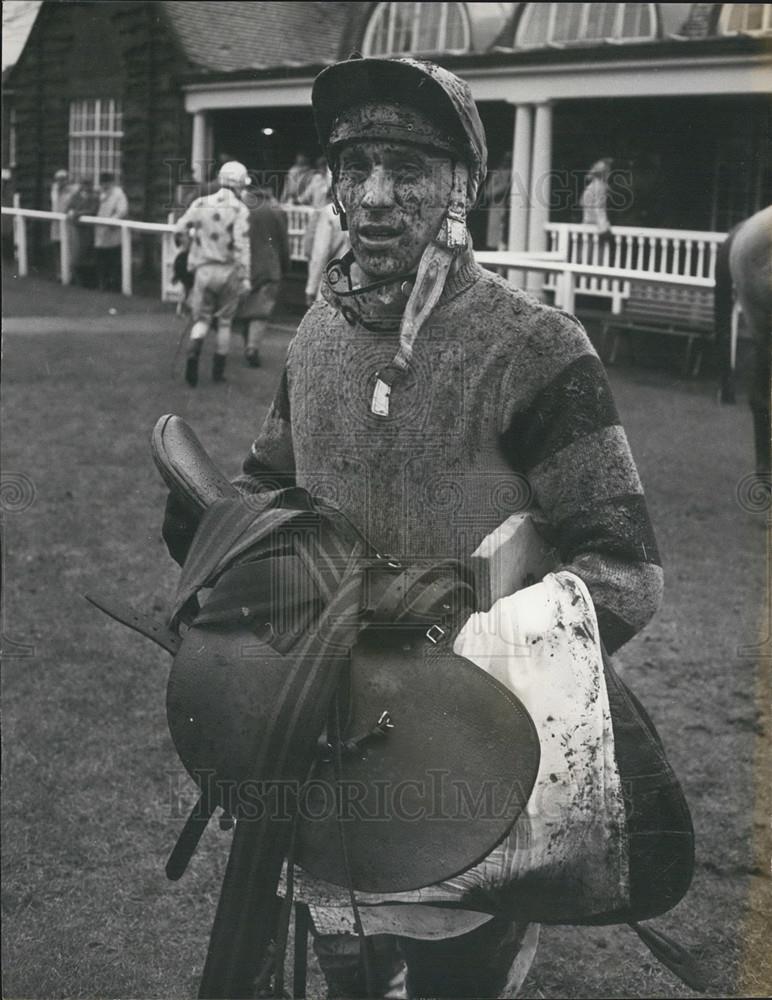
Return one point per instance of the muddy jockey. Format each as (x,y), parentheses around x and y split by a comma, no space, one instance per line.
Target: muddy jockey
(334,635)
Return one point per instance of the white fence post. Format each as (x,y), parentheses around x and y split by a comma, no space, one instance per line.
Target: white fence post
(167,259)
(20,239)
(65,255)
(125,260)
(569,291)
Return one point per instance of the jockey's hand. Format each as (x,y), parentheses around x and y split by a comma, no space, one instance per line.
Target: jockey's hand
(310,299)
(245,287)
(179,527)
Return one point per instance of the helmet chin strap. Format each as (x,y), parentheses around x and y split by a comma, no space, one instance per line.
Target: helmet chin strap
(365,304)
(433,270)
(429,282)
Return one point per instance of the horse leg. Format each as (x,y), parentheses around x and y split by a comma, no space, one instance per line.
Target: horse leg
(723,299)
(759,396)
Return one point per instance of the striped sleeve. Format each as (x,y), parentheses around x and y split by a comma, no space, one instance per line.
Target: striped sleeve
(569,442)
(270,463)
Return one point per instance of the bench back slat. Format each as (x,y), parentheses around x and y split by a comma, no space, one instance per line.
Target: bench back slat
(679,306)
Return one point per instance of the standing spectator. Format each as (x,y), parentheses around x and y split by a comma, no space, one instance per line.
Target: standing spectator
(85,201)
(61,193)
(269,253)
(318,190)
(496,204)
(298,176)
(317,194)
(595,197)
(113,204)
(329,241)
(215,231)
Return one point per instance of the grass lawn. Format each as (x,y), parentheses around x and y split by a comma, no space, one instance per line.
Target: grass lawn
(93,793)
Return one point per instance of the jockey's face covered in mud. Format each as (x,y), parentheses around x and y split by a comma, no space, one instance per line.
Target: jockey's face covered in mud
(394,195)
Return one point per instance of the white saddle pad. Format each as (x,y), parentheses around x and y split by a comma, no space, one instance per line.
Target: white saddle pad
(542,643)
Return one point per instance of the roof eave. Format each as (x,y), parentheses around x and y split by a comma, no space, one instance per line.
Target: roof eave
(664,49)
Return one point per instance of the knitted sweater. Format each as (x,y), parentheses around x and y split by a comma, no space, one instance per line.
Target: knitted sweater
(506,408)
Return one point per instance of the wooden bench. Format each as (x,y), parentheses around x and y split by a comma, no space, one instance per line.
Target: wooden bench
(662,309)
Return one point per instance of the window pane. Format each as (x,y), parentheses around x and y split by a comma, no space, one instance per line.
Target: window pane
(568,22)
(576,22)
(92,165)
(636,22)
(455,29)
(381,31)
(600,20)
(403,27)
(748,17)
(755,17)
(535,22)
(425,27)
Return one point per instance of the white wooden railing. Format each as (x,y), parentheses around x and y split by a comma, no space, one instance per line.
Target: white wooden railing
(126,226)
(575,262)
(657,253)
(568,278)
(298,217)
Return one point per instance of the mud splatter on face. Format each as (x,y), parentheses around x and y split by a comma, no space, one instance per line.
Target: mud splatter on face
(394,195)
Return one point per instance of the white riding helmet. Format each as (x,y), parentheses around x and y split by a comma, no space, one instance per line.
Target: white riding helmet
(233,175)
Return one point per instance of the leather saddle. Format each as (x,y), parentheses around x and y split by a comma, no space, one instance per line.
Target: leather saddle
(315,698)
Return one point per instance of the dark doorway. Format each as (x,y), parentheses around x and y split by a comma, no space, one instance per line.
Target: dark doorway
(498,118)
(266,140)
(687,163)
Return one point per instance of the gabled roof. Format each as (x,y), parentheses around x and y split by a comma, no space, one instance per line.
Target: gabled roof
(225,35)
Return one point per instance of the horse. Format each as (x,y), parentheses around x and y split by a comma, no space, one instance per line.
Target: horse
(744,264)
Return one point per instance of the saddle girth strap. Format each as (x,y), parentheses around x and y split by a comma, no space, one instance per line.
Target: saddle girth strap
(245,920)
(138,621)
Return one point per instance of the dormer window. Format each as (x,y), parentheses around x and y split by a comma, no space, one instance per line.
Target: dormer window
(746,19)
(561,24)
(417,29)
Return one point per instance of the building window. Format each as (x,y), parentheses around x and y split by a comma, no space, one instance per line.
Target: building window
(96,131)
(574,23)
(746,18)
(417,29)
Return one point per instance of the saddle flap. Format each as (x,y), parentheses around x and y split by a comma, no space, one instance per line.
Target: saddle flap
(437,792)
(228,529)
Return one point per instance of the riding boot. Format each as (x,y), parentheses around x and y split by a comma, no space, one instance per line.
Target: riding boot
(341,964)
(191,365)
(218,367)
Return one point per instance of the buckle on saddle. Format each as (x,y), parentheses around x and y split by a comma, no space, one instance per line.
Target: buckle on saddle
(435,634)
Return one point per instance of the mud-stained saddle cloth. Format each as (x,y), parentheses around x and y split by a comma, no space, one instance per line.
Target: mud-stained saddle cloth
(606,835)
(566,858)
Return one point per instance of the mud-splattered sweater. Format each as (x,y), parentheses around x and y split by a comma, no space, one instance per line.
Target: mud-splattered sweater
(506,408)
